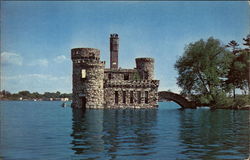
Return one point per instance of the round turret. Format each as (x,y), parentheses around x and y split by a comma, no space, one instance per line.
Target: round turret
(145,67)
(88,75)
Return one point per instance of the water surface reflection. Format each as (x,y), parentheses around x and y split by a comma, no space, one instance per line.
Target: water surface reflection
(164,133)
(114,134)
(220,134)
(44,130)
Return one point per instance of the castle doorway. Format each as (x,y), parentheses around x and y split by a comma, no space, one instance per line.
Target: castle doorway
(84,102)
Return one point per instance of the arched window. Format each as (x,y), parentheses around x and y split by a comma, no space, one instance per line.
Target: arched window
(131,97)
(139,97)
(146,97)
(116,97)
(124,97)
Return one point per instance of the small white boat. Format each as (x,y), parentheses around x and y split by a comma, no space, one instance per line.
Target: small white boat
(64,104)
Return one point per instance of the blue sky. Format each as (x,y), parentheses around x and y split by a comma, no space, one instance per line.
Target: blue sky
(36,37)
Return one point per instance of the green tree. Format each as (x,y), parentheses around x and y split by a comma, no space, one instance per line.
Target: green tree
(48,95)
(36,95)
(234,67)
(238,75)
(52,94)
(5,93)
(234,45)
(247,60)
(24,94)
(57,94)
(202,70)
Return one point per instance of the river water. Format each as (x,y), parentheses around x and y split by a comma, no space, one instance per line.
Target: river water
(45,130)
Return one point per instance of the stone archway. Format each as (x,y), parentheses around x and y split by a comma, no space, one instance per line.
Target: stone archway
(182,101)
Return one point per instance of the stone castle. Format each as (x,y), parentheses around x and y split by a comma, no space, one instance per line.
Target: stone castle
(95,86)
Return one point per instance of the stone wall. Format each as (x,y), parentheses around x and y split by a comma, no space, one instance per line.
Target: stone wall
(126,83)
(120,74)
(124,90)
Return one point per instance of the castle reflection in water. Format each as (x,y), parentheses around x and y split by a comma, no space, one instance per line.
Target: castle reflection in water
(126,130)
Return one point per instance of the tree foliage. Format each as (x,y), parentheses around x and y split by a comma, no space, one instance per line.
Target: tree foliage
(239,70)
(202,70)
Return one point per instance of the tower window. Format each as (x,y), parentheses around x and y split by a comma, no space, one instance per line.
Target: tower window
(124,97)
(146,97)
(131,97)
(83,73)
(116,97)
(146,75)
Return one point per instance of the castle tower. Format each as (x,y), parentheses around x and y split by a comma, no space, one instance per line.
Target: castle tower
(88,75)
(145,67)
(114,48)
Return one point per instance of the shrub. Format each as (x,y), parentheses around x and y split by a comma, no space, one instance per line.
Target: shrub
(241,100)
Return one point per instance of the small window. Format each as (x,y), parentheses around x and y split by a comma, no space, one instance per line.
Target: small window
(139,97)
(146,97)
(126,76)
(83,73)
(109,76)
(124,97)
(116,97)
(146,75)
(131,97)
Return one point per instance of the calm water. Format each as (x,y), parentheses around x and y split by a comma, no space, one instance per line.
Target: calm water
(44,130)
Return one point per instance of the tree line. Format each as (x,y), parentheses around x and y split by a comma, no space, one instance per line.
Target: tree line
(6,95)
(210,73)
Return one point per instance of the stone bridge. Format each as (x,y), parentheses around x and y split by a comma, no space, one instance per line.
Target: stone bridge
(182,101)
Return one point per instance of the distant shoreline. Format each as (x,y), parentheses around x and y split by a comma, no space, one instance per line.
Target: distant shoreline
(34,100)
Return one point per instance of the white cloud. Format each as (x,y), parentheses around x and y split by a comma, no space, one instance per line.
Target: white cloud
(60,59)
(11,58)
(39,62)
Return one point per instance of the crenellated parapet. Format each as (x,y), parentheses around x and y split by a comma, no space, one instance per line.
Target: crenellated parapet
(85,54)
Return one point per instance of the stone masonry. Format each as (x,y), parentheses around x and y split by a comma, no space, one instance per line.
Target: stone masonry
(95,86)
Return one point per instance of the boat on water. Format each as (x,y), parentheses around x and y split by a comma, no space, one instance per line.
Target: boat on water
(64,104)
